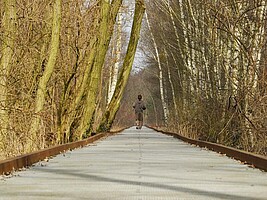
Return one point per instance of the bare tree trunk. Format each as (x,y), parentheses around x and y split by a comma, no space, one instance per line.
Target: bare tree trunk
(9,26)
(126,68)
(108,18)
(115,69)
(161,86)
(42,86)
(172,89)
(251,74)
(76,104)
(184,49)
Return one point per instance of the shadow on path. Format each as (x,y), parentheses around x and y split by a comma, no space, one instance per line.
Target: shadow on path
(148,184)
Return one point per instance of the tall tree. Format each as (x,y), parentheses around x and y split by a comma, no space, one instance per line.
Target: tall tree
(113,107)
(114,70)
(42,86)
(8,40)
(108,16)
(161,81)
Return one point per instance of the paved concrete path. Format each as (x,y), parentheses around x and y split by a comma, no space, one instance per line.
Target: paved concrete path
(137,165)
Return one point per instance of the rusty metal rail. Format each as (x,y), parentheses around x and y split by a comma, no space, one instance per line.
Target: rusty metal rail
(252,159)
(16,163)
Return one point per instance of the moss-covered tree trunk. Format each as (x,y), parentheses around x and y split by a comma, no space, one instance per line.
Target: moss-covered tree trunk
(108,15)
(42,86)
(126,68)
(8,40)
(65,127)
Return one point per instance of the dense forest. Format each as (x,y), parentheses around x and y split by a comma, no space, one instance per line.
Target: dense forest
(55,56)
(66,70)
(205,70)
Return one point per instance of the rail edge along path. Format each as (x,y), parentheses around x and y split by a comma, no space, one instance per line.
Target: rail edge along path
(252,159)
(13,164)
